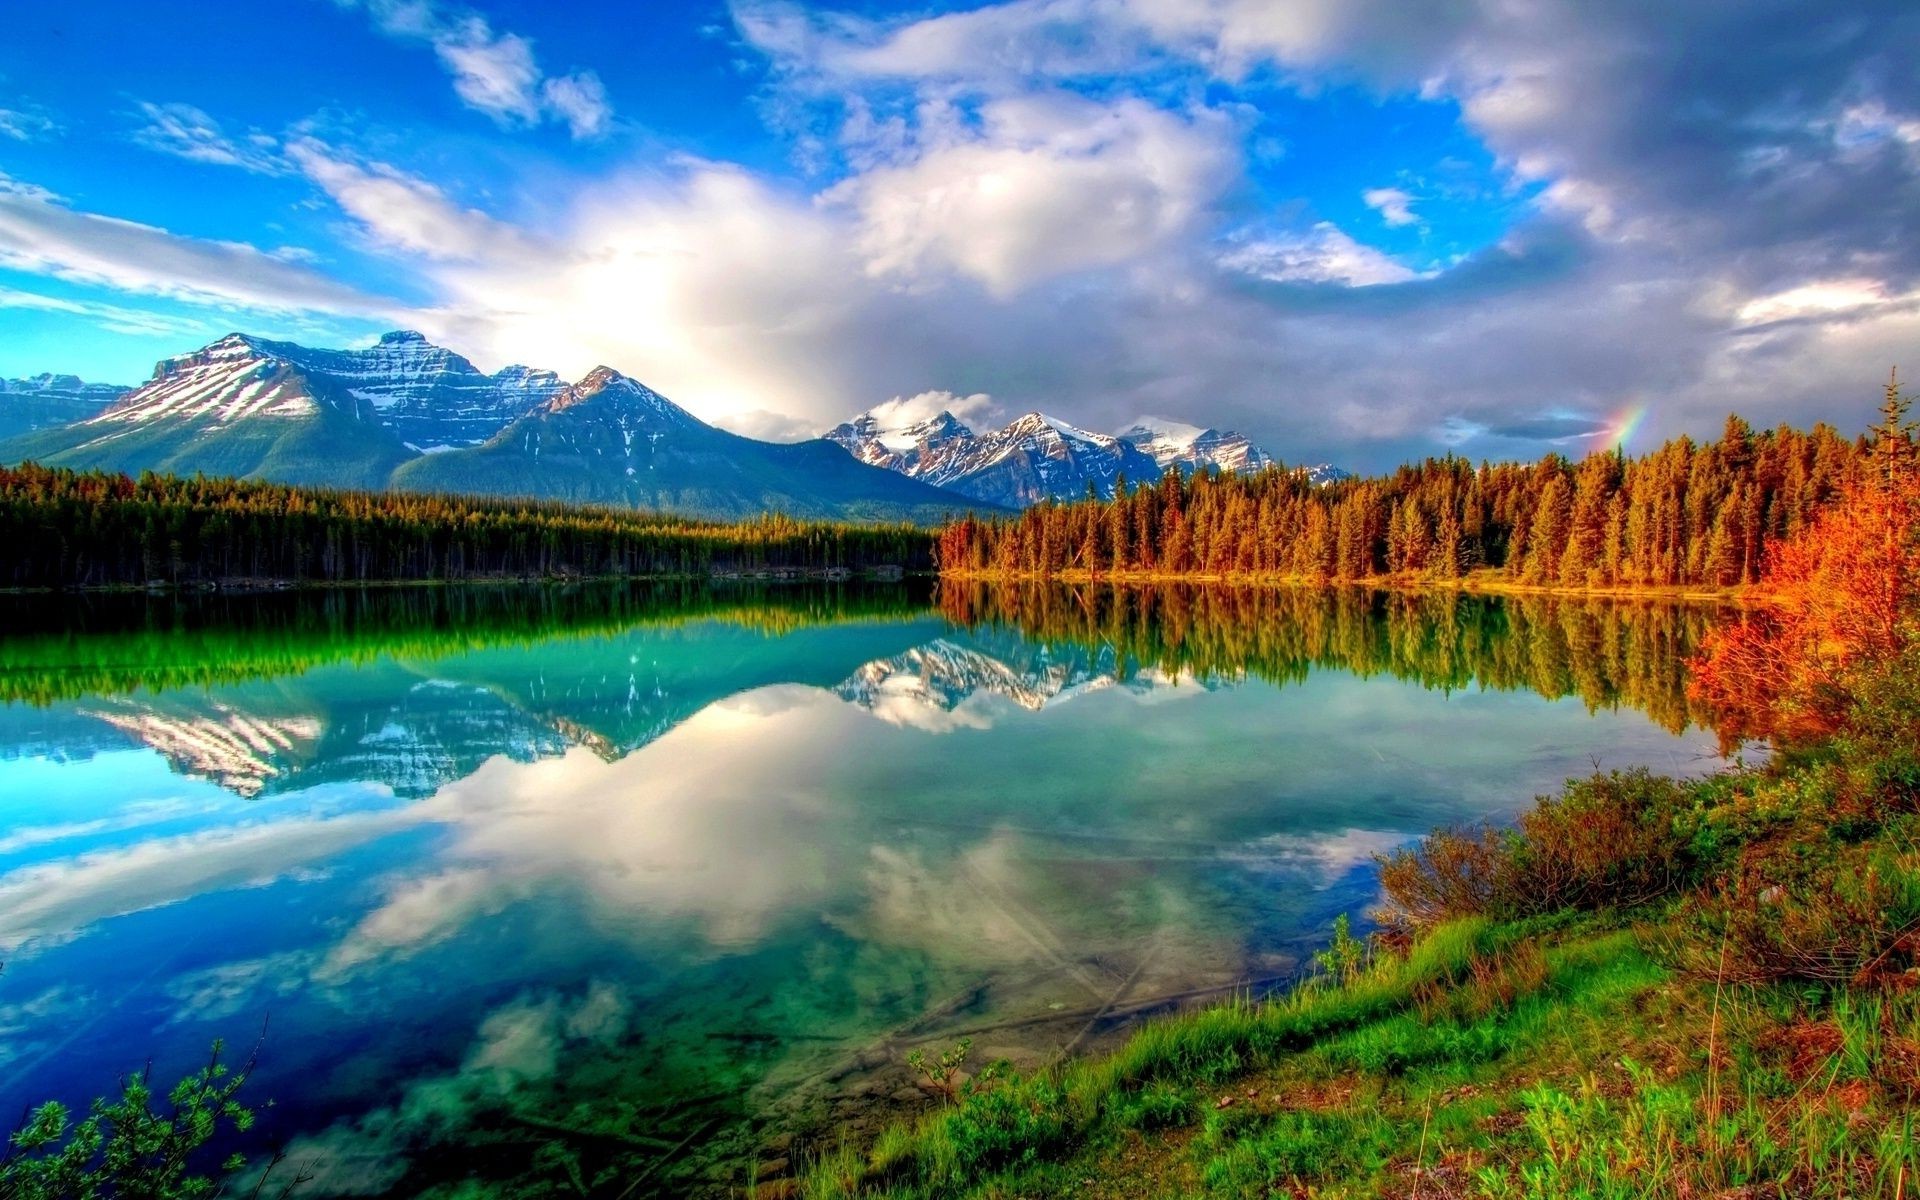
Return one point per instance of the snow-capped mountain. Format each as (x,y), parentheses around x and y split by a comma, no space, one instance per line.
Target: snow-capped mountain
(612,440)
(429,397)
(41,401)
(408,413)
(1322,474)
(1034,458)
(1174,444)
(1038,457)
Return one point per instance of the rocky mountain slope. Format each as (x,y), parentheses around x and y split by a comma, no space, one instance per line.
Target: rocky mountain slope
(1034,458)
(406,413)
(1037,457)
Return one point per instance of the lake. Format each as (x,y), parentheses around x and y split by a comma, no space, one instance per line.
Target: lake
(625,889)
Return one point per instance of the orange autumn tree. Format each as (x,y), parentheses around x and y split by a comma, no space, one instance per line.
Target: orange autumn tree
(1841,593)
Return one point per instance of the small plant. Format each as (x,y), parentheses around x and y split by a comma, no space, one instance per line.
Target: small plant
(1346,955)
(125,1148)
(942,1074)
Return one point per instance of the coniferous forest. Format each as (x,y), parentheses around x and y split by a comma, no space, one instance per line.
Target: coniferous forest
(1684,515)
(64,528)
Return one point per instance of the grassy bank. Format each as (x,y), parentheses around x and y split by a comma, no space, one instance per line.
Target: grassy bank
(1647,987)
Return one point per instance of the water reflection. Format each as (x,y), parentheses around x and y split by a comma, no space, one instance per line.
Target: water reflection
(612,892)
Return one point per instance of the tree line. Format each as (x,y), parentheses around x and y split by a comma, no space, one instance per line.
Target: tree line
(62,528)
(1684,514)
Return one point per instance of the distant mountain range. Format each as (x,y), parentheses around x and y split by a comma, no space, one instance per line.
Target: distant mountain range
(1037,457)
(43,400)
(408,414)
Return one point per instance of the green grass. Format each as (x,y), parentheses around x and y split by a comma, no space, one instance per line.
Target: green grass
(1544,1059)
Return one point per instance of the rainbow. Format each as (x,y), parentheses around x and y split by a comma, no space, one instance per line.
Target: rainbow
(1622,424)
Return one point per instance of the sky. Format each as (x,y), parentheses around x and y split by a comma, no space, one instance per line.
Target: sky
(1359,231)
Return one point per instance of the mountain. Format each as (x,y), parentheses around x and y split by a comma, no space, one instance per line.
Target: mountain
(431,398)
(1323,474)
(1173,444)
(1038,458)
(611,440)
(1032,459)
(46,400)
(407,413)
(241,406)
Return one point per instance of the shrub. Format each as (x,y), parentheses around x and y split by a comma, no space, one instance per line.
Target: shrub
(1449,874)
(1609,841)
(1614,840)
(1809,908)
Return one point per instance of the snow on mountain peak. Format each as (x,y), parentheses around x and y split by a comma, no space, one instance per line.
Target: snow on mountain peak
(1160,429)
(1037,457)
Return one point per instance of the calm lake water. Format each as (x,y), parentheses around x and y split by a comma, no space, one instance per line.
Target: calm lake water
(620,886)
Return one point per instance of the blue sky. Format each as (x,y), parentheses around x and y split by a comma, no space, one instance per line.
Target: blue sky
(1357,230)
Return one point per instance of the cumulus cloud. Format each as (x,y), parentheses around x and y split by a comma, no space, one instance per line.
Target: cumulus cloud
(902,411)
(1676,208)
(1394,205)
(495,72)
(1045,186)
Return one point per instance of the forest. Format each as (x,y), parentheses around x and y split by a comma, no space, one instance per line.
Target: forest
(1683,515)
(68,529)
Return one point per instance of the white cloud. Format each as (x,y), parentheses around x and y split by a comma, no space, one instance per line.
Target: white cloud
(186,132)
(1394,205)
(493,72)
(1821,298)
(41,235)
(26,125)
(115,319)
(404,213)
(902,411)
(418,913)
(580,99)
(1048,186)
(1323,254)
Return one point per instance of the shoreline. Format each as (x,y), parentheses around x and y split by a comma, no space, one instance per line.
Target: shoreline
(1741,595)
(271,586)
(1737,595)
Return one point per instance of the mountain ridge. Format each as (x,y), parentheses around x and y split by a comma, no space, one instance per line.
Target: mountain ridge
(1037,457)
(407,414)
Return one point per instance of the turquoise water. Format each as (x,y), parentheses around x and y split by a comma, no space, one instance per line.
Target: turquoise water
(625,894)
